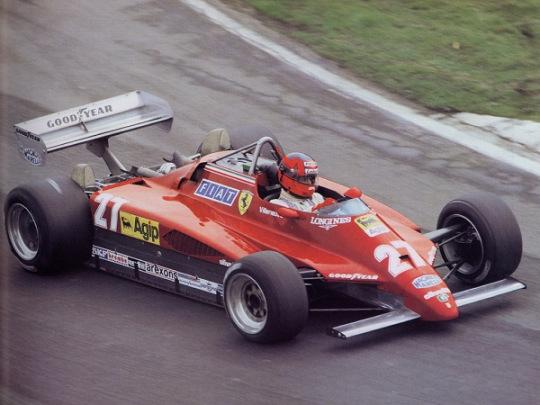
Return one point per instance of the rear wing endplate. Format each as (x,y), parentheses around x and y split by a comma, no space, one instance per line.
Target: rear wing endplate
(90,122)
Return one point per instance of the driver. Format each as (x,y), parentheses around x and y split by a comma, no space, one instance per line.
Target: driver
(298,178)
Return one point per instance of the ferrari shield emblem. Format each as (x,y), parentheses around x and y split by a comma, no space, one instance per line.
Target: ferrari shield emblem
(244,201)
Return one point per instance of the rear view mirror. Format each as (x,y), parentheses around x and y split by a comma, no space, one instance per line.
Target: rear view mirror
(353,192)
(288,212)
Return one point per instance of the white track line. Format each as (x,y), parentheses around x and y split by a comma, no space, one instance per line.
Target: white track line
(352,90)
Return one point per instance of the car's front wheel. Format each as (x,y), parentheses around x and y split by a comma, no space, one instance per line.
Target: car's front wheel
(266,298)
(487,246)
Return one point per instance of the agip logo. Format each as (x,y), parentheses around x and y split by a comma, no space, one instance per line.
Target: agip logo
(244,201)
(139,227)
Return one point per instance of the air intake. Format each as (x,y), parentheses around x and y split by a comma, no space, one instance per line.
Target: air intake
(189,246)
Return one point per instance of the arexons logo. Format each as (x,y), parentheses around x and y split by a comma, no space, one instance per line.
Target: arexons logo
(139,227)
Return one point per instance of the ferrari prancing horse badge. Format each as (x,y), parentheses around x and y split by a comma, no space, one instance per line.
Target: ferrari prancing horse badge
(244,201)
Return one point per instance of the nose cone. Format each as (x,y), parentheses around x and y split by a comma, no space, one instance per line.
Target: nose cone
(439,305)
(429,296)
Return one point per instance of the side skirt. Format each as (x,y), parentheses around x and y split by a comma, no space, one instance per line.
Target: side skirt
(152,265)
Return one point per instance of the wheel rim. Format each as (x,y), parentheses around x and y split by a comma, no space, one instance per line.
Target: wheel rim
(246,303)
(469,247)
(23,232)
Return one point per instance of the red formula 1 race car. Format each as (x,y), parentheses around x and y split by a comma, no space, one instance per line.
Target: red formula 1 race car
(204,227)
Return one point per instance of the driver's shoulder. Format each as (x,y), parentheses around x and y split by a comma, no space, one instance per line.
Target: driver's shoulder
(280,201)
(317,198)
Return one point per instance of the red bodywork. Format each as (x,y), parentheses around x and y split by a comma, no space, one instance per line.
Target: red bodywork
(380,247)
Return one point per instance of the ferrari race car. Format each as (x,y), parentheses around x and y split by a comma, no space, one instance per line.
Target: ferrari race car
(203,227)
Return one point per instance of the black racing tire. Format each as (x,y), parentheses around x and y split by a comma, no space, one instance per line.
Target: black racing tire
(493,247)
(265,298)
(246,134)
(49,224)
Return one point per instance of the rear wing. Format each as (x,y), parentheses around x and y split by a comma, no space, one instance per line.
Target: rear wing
(89,123)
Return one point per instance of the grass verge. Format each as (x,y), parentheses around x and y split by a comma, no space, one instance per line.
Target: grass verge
(468,55)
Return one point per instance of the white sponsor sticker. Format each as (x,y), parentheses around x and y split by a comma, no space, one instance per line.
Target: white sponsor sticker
(99,252)
(440,291)
(34,157)
(112,256)
(431,255)
(156,270)
(443,297)
(426,281)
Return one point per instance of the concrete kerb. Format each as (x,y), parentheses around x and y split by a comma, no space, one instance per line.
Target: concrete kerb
(521,132)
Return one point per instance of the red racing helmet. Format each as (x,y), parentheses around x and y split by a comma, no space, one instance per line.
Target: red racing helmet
(298,174)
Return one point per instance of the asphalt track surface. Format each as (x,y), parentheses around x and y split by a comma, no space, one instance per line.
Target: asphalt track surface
(88,337)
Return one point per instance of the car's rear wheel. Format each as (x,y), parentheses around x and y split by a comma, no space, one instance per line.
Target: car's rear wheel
(22,231)
(48,224)
(266,298)
(488,245)
(247,303)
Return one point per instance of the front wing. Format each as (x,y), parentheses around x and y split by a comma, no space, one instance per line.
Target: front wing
(401,315)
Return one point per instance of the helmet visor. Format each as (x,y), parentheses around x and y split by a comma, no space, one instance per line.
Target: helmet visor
(309,179)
